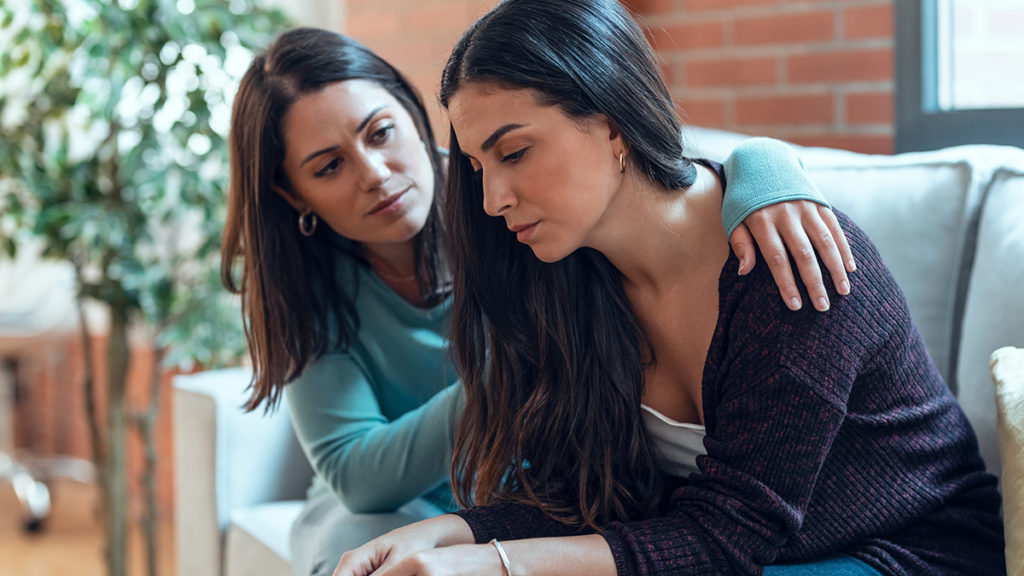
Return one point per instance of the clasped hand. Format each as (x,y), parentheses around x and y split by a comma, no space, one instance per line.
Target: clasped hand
(441,546)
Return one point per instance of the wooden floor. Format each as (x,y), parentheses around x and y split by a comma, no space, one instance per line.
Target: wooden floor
(72,540)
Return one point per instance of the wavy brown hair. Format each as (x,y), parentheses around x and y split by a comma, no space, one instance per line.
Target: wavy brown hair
(295,303)
(551,356)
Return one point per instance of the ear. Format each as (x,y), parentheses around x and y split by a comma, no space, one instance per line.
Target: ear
(290,198)
(615,136)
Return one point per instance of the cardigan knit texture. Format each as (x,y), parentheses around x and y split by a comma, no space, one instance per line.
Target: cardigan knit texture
(826,432)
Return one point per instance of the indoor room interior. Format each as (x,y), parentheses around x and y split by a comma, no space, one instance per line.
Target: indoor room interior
(125,446)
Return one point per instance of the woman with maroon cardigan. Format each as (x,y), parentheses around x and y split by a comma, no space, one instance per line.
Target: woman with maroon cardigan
(633,405)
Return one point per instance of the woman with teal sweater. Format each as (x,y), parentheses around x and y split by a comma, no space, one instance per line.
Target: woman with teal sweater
(333,243)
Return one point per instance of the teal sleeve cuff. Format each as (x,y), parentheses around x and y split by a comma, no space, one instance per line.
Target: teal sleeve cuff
(760,172)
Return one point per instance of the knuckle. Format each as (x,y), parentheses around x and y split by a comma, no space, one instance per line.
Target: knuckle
(806,254)
(827,240)
(759,218)
(419,563)
(776,259)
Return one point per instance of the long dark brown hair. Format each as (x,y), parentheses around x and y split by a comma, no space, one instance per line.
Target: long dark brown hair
(551,355)
(294,304)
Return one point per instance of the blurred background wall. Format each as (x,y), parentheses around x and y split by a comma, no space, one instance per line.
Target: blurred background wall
(815,72)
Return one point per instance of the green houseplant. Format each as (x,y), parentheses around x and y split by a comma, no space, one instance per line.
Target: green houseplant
(113,123)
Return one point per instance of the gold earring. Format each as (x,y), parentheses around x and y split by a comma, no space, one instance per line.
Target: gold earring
(622,163)
(307,225)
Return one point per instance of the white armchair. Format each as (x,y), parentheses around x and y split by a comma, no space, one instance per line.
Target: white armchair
(240,479)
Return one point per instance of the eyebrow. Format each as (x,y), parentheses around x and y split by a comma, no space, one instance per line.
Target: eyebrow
(493,139)
(358,130)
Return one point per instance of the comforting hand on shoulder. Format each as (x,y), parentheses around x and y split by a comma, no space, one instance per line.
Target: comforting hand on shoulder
(802,227)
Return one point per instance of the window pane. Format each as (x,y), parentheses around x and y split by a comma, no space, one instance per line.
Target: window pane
(980,54)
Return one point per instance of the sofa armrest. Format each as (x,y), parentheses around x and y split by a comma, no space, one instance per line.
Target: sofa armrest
(1007,365)
(226,459)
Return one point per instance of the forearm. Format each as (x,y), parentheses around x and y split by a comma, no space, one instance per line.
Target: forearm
(762,172)
(407,457)
(566,556)
(371,463)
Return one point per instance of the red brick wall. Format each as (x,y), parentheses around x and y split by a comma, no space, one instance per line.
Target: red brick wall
(816,72)
(416,37)
(50,418)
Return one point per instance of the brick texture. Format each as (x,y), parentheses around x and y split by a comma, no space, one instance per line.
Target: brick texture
(812,71)
(873,21)
(50,416)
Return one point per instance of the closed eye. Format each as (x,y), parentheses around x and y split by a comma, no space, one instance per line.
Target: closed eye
(328,168)
(515,156)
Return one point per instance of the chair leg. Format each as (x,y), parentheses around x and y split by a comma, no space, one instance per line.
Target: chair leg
(33,494)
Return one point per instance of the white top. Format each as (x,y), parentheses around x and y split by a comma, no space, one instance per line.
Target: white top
(678,443)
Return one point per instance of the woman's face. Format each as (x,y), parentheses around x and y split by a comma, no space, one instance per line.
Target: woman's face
(354,157)
(550,176)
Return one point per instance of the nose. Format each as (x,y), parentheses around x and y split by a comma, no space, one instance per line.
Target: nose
(498,197)
(374,170)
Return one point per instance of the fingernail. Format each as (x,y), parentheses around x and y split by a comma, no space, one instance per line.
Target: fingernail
(743,267)
(794,303)
(822,304)
(844,287)
(853,266)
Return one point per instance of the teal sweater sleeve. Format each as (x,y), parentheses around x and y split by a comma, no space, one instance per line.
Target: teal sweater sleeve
(376,417)
(761,172)
(371,463)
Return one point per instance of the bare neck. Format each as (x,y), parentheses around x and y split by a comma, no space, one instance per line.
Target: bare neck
(658,237)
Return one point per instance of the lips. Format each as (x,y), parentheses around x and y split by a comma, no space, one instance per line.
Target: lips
(387,203)
(523,231)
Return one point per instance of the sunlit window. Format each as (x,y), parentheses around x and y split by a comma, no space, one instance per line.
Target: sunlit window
(980,52)
(959,73)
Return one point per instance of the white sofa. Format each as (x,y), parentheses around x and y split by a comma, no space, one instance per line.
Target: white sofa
(949,223)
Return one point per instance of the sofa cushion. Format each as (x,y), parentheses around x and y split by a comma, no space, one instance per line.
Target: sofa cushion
(916,210)
(1008,376)
(994,310)
(257,539)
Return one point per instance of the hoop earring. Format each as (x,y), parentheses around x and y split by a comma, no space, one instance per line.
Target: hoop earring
(622,162)
(307,226)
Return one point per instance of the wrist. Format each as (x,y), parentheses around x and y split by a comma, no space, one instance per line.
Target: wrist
(506,567)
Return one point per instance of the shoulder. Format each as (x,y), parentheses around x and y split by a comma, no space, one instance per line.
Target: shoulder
(853,329)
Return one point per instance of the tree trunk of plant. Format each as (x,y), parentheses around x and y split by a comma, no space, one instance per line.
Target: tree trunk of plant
(116,488)
(97,440)
(145,421)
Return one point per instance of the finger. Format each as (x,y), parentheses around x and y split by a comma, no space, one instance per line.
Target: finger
(774,252)
(839,237)
(361,561)
(807,264)
(349,565)
(743,245)
(824,243)
(412,565)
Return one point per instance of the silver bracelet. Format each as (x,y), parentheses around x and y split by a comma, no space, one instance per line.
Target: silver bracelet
(504,557)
